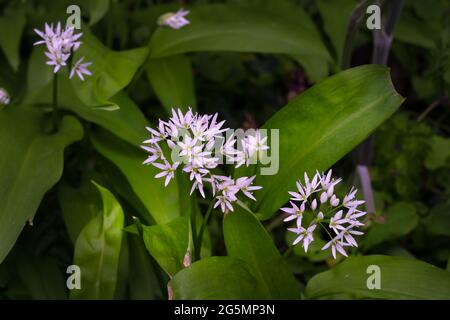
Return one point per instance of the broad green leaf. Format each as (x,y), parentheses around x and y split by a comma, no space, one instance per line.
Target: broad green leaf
(168,243)
(264,29)
(322,125)
(246,239)
(171,79)
(111,70)
(31,163)
(401,278)
(79,206)
(335,15)
(439,154)
(162,202)
(14,21)
(97,251)
(143,277)
(215,278)
(127,122)
(400,220)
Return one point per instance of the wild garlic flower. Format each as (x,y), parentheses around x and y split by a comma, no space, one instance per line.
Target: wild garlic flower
(314,201)
(175,20)
(4,97)
(61,43)
(195,143)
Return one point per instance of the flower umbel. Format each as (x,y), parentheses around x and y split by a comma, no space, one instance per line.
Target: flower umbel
(316,199)
(4,97)
(61,43)
(195,143)
(175,20)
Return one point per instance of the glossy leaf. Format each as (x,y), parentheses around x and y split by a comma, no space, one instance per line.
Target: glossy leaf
(78,206)
(31,165)
(215,278)
(111,70)
(322,125)
(401,278)
(127,122)
(243,29)
(162,202)
(97,251)
(168,243)
(172,80)
(246,239)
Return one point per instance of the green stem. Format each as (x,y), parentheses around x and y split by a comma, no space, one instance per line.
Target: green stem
(329,234)
(193,236)
(198,244)
(55,102)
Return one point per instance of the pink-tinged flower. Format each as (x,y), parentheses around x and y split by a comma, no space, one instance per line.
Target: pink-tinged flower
(4,97)
(61,43)
(155,153)
(304,234)
(350,201)
(225,204)
(316,197)
(254,145)
(168,171)
(336,222)
(336,245)
(174,20)
(195,140)
(246,187)
(294,213)
(80,68)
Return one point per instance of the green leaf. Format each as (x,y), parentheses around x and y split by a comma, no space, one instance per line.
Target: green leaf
(97,251)
(172,80)
(322,125)
(267,29)
(111,70)
(401,278)
(215,278)
(439,154)
(335,15)
(127,122)
(31,165)
(168,243)
(143,278)
(401,219)
(162,202)
(79,206)
(246,239)
(13,21)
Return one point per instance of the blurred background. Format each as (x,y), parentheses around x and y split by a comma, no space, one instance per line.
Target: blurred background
(408,157)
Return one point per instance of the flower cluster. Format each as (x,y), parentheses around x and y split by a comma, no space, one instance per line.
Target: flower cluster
(316,198)
(4,97)
(61,43)
(196,142)
(175,20)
